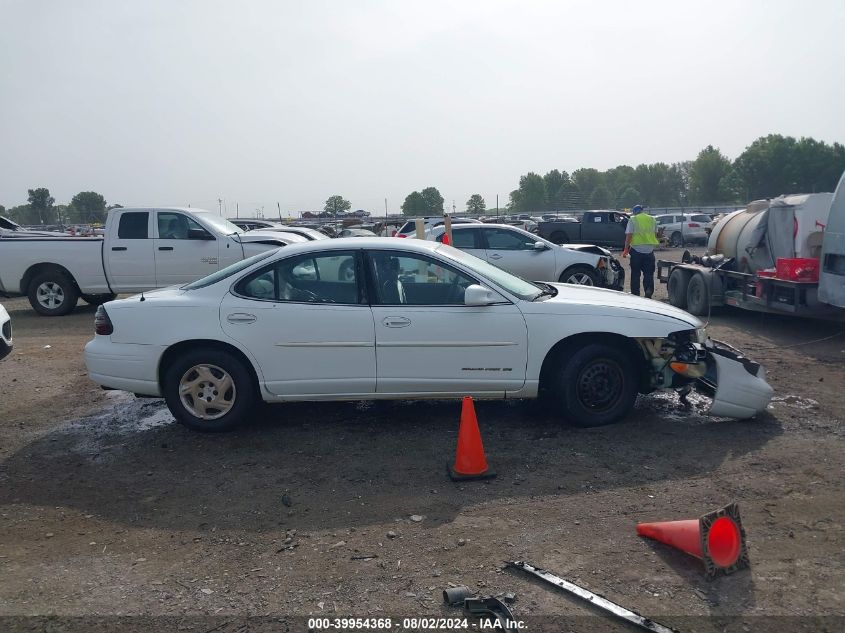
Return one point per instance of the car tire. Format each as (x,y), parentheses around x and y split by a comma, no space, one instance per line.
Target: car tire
(580,276)
(559,237)
(698,296)
(52,293)
(597,385)
(677,288)
(98,300)
(676,240)
(217,379)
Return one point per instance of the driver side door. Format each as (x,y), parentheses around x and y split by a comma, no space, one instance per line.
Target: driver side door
(179,257)
(514,252)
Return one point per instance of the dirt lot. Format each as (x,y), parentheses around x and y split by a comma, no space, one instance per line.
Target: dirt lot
(109,509)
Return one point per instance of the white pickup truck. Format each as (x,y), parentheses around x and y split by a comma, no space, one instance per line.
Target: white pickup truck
(142,249)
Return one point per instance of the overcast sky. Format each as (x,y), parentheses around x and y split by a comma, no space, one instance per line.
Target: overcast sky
(162,102)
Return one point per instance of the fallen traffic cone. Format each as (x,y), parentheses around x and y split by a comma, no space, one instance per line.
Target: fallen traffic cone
(470,462)
(716,538)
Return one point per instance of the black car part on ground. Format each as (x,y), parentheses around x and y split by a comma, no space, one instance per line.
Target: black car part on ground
(597,600)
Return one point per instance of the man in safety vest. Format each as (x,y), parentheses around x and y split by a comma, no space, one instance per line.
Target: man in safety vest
(640,240)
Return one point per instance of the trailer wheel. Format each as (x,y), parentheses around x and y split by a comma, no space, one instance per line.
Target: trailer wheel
(677,288)
(698,296)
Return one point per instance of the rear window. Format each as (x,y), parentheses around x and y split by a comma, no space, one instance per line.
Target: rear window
(408,227)
(133,226)
(701,218)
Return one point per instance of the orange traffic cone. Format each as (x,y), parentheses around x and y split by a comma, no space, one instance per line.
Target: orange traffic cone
(717,538)
(470,462)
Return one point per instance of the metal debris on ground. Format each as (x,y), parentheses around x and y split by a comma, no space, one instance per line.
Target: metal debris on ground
(599,601)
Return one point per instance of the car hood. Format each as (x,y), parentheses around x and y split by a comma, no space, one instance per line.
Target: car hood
(586,296)
(586,248)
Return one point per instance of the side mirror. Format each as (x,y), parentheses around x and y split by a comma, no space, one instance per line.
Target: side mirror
(478,295)
(199,234)
(540,246)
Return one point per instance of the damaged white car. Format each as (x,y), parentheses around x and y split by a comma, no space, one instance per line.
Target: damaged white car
(415,319)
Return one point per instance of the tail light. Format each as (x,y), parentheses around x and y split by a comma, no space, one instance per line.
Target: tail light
(400,235)
(693,225)
(102,322)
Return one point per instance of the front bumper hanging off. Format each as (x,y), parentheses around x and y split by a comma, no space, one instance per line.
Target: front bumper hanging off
(736,383)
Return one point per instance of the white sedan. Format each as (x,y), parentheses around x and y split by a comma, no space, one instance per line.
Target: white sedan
(415,319)
(532,257)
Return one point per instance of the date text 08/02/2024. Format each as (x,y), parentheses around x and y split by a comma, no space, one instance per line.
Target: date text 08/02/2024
(413,624)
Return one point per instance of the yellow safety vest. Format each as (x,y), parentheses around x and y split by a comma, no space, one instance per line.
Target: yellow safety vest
(645,228)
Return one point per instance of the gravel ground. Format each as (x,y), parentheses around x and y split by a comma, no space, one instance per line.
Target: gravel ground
(113,517)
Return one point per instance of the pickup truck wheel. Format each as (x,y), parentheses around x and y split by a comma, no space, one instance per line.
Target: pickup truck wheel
(52,293)
(597,385)
(580,275)
(677,288)
(98,300)
(676,240)
(698,296)
(559,237)
(209,390)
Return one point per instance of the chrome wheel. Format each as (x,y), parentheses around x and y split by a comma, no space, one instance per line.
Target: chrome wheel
(580,278)
(50,295)
(207,392)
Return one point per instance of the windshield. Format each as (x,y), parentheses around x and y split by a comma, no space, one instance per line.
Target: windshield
(221,226)
(513,284)
(237,267)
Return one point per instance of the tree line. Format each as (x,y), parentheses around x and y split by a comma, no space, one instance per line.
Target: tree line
(772,165)
(86,207)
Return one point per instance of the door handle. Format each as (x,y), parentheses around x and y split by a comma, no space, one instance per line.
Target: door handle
(495,256)
(241,317)
(165,248)
(118,248)
(396,322)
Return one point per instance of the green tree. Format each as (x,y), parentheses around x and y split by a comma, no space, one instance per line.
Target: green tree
(337,204)
(433,201)
(476,204)
(532,193)
(90,207)
(414,204)
(41,202)
(706,173)
(628,198)
(587,180)
(558,188)
(601,198)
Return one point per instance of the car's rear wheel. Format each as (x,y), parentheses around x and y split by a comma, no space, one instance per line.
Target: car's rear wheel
(596,385)
(581,276)
(676,240)
(209,390)
(53,293)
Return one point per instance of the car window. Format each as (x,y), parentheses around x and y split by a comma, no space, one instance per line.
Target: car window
(134,226)
(463,238)
(411,279)
(504,240)
(325,278)
(176,226)
(701,218)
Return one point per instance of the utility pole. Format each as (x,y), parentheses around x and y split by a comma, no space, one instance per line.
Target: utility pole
(453,207)
(497,206)
(237,210)
(220,206)
(385,207)
(279,207)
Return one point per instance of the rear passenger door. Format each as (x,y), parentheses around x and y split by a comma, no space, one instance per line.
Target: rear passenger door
(305,321)
(129,255)
(467,239)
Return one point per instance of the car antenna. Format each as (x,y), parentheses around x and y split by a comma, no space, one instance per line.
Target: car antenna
(142,296)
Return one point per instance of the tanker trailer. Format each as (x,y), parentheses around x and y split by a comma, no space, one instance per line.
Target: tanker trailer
(785,256)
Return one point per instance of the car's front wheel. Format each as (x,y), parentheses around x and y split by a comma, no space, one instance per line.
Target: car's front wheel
(580,275)
(209,390)
(596,385)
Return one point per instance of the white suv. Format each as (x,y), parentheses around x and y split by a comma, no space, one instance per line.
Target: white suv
(683,228)
(5,332)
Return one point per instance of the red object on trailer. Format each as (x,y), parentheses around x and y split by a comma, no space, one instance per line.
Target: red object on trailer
(798,268)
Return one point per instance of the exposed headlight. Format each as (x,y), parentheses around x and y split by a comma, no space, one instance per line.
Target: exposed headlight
(699,335)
